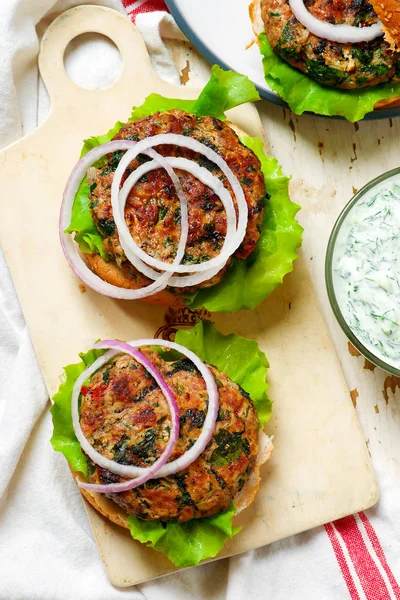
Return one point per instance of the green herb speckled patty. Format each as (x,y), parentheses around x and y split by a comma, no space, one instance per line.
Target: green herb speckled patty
(125,417)
(153,208)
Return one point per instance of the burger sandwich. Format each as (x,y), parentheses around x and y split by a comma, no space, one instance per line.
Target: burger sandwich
(331,57)
(180,208)
(165,438)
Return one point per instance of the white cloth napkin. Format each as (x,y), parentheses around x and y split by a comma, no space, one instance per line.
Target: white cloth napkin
(47,551)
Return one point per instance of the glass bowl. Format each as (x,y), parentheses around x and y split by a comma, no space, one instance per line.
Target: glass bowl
(330,286)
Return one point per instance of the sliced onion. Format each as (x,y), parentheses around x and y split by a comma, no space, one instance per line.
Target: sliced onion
(119,216)
(138,258)
(71,250)
(132,250)
(128,243)
(212,412)
(141,260)
(195,278)
(159,468)
(143,474)
(335,33)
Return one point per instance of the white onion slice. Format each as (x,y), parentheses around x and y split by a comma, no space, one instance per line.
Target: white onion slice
(132,250)
(188,280)
(143,147)
(71,250)
(198,273)
(175,281)
(99,459)
(161,470)
(335,33)
(119,217)
(195,278)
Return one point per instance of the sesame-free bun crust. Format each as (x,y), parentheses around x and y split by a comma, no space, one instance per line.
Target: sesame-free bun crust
(242,500)
(390,103)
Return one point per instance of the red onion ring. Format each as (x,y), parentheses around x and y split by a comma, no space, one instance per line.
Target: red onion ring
(335,33)
(213,405)
(159,468)
(112,465)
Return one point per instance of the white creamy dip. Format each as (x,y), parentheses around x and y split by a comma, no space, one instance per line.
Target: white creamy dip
(366,270)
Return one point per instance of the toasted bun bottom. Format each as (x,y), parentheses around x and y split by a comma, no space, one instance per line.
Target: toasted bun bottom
(111,273)
(242,500)
(390,103)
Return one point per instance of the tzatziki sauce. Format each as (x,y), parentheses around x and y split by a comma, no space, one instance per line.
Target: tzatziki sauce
(366,270)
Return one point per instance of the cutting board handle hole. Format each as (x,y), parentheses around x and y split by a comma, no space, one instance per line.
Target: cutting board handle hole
(89,49)
(92,61)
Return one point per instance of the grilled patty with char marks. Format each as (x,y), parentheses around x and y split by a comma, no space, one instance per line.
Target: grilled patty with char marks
(345,66)
(125,416)
(153,209)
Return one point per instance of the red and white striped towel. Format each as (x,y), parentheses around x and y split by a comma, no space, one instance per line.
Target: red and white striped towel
(361,559)
(134,7)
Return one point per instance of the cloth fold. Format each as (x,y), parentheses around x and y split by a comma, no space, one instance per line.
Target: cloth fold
(155,27)
(17,417)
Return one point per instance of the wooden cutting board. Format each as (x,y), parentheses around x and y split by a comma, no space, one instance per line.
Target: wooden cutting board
(321,468)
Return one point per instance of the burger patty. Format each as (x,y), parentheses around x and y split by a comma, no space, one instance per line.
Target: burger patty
(153,209)
(125,416)
(345,66)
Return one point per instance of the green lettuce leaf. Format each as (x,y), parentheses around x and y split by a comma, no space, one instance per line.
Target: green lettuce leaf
(240,358)
(82,224)
(63,438)
(225,90)
(304,94)
(95,141)
(188,543)
(156,103)
(250,281)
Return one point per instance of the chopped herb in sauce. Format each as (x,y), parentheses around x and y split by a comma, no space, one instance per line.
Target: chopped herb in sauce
(366,270)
